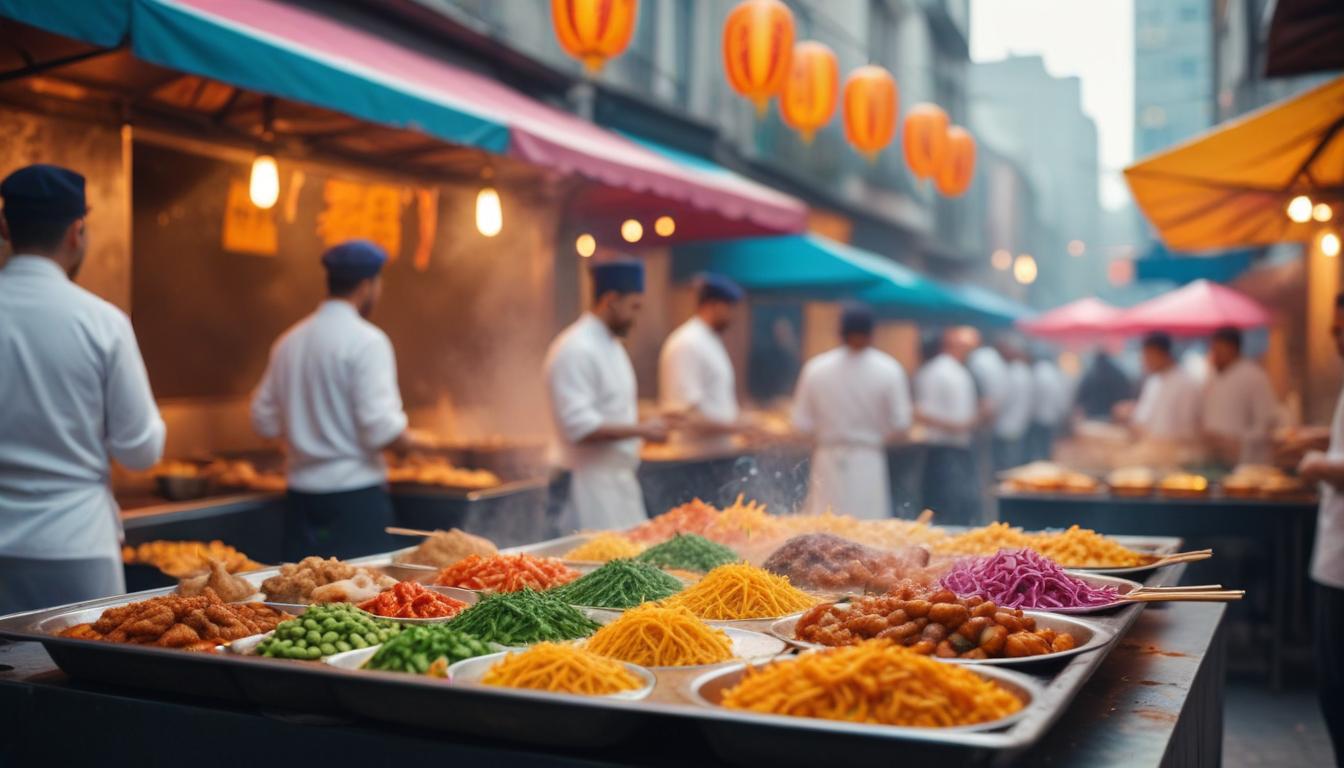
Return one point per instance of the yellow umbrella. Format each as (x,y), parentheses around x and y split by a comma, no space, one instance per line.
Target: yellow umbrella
(1232,186)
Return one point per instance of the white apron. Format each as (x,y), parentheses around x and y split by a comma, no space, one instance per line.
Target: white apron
(602,497)
(850,480)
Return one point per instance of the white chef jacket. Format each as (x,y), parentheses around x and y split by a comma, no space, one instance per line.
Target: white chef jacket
(945,390)
(590,383)
(1168,406)
(330,391)
(1327,557)
(1239,402)
(73,392)
(991,376)
(1050,398)
(694,371)
(1014,415)
(852,403)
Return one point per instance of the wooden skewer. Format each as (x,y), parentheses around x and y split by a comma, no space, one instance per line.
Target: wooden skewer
(1200,588)
(1187,597)
(925,517)
(396,531)
(1184,557)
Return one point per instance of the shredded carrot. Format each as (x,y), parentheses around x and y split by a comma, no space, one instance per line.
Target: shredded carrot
(506,573)
(562,669)
(657,636)
(742,591)
(605,547)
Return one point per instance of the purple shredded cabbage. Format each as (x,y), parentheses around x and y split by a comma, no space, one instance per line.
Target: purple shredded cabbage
(1024,579)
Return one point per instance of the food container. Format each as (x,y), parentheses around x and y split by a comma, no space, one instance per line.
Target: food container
(1089,637)
(746,646)
(468,596)
(470,671)
(182,487)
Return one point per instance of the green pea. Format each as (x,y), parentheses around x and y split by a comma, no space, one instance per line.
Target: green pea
(314,653)
(343,646)
(327,649)
(310,625)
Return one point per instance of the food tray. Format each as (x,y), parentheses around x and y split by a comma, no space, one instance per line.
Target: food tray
(552,720)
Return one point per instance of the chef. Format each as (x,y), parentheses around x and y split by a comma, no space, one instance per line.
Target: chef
(1050,401)
(946,404)
(594,410)
(852,400)
(1327,559)
(1238,411)
(695,374)
(1168,406)
(75,394)
(330,393)
(1013,417)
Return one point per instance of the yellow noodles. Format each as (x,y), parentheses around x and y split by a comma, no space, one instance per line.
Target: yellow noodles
(741,591)
(562,669)
(605,547)
(656,636)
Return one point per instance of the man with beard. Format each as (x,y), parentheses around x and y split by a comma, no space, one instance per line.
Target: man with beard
(75,394)
(593,401)
(695,374)
(330,393)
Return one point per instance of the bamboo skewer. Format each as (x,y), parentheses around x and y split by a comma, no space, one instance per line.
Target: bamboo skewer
(398,531)
(1218,596)
(1200,588)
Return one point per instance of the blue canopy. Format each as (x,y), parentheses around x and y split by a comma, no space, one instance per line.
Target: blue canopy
(104,23)
(1159,263)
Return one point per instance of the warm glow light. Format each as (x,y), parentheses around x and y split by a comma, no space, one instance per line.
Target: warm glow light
(1024,269)
(586,245)
(1322,212)
(1120,271)
(264,186)
(489,215)
(1077,248)
(664,226)
(1330,244)
(1299,209)
(1002,259)
(631,230)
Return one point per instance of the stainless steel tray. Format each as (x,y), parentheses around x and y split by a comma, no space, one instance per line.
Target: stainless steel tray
(544,719)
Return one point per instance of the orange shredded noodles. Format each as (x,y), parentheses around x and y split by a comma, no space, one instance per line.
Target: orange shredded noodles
(742,591)
(506,573)
(604,548)
(562,669)
(659,636)
(873,682)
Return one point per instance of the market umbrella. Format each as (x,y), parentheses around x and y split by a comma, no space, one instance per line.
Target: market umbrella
(1081,318)
(1230,187)
(1305,36)
(1195,309)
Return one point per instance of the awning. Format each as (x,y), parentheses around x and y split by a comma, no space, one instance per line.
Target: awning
(803,266)
(1159,263)
(986,308)
(1193,310)
(294,53)
(1230,187)
(1305,36)
(1082,319)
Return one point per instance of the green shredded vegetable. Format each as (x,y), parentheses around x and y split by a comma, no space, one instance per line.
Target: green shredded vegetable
(419,646)
(522,618)
(619,584)
(689,552)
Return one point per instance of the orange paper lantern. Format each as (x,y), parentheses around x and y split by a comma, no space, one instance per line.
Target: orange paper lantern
(757,47)
(954,177)
(593,31)
(808,99)
(925,139)
(870,109)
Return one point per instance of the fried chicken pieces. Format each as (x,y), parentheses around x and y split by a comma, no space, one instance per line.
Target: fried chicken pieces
(229,587)
(299,582)
(189,623)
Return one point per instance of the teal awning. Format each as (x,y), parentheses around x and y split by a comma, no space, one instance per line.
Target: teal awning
(984,307)
(103,23)
(804,266)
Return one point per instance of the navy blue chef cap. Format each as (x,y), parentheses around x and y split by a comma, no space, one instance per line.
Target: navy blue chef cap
(856,318)
(44,192)
(715,287)
(621,276)
(354,260)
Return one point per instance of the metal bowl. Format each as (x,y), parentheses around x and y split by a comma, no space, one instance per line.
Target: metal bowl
(708,690)
(1090,637)
(467,596)
(470,671)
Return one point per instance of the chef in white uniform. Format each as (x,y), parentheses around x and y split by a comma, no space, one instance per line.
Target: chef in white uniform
(1238,411)
(73,395)
(695,374)
(593,400)
(1168,406)
(852,400)
(946,403)
(1050,401)
(330,393)
(1327,559)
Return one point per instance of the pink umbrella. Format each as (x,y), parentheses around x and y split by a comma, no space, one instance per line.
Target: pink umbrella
(1193,310)
(1073,321)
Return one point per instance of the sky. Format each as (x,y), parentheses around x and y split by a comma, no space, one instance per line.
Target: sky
(1093,39)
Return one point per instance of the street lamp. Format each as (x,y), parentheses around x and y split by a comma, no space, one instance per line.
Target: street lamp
(631,231)
(1330,244)
(1322,212)
(1299,209)
(664,226)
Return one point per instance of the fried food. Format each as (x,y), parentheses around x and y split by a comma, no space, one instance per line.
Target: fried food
(190,623)
(180,559)
(828,562)
(436,470)
(297,582)
(230,588)
(445,548)
(364,585)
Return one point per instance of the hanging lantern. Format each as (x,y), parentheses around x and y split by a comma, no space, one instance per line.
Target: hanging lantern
(925,139)
(593,31)
(870,109)
(954,177)
(757,46)
(808,99)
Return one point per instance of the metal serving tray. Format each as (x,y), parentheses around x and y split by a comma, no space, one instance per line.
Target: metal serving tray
(552,719)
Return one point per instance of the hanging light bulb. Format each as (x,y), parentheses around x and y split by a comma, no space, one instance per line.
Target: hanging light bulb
(489,215)
(1299,209)
(1024,269)
(264,185)
(1330,244)
(664,226)
(1002,259)
(586,245)
(631,230)
(1322,212)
